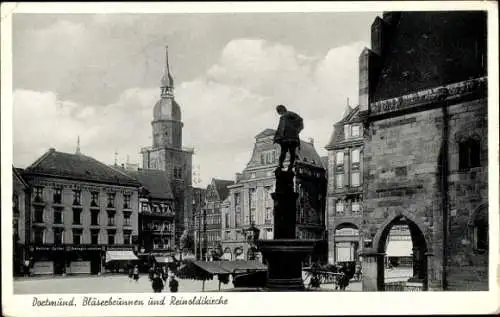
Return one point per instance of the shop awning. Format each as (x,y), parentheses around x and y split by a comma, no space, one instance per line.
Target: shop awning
(120,255)
(399,249)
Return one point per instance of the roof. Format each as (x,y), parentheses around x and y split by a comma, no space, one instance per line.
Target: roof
(265,133)
(221,187)
(16,172)
(206,270)
(78,167)
(307,153)
(338,128)
(155,181)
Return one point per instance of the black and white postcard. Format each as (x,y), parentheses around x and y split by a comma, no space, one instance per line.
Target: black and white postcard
(240,158)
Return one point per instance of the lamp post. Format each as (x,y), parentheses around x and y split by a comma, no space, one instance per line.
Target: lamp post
(205,240)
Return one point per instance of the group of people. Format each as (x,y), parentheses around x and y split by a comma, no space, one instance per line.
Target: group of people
(343,274)
(158,277)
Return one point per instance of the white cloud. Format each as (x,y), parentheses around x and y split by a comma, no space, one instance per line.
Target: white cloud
(223,109)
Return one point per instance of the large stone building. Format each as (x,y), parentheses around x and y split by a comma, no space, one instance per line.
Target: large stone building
(80,214)
(249,201)
(167,153)
(345,188)
(423,100)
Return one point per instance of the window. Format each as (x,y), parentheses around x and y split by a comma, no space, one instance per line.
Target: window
(58,237)
(469,154)
(94,202)
(268,215)
(111,237)
(127,236)
(355,131)
(126,201)
(355,156)
(58,216)
(39,214)
(77,195)
(237,201)
(339,207)
(76,216)
(111,200)
(144,207)
(94,236)
(94,217)
(38,193)
(77,235)
(339,180)
(480,232)
(126,219)
(355,181)
(226,220)
(38,236)
(262,159)
(156,243)
(15,203)
(339,159)
(111,219)
(356,207)
(346,131)
(57,195)
(252,198)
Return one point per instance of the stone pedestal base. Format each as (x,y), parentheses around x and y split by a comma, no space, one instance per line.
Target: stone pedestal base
(284,262)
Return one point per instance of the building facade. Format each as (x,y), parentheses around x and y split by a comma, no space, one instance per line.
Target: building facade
(156,212)
(21,193)
(79,211)
(424,108)
(249,200)
(345,188)
(167,154)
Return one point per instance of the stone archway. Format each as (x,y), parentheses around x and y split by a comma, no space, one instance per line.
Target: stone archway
(419,248)
(346,243)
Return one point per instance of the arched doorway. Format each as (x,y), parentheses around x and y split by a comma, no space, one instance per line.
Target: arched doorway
(404,265)
(346,243)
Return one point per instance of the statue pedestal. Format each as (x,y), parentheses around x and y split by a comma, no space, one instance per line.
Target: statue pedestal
(284,254)
(284,262)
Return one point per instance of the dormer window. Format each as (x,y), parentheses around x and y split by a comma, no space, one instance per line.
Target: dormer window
(339,158)
(355,131)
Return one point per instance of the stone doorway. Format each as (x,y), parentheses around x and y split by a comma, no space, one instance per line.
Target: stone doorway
(409,255)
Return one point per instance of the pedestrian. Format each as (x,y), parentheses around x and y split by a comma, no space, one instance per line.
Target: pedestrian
(151,272)
(27,267)
(130,273)
(136,273)
(157,283)
(164,274)
(173,285)
(357,273)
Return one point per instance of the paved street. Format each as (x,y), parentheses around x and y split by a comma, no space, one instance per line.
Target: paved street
(117,284)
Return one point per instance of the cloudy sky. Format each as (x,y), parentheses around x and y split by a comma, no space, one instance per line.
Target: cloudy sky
(97,77)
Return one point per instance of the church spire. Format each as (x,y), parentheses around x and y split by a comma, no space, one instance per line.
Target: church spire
(78,145)
(167,81)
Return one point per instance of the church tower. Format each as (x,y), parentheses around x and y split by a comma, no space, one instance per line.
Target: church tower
(166,152)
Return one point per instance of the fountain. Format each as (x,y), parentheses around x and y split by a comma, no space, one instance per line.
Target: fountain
(284,254)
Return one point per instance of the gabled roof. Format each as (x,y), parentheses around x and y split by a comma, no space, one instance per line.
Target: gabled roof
(16,173)
(221,187)
(265,133)
(155,182)
(338,128)
(350,114)
(78,167)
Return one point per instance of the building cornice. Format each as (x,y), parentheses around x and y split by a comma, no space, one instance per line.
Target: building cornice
(434,96)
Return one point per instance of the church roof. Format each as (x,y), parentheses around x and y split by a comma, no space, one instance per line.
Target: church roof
(78,167)
(167,80)
(155,182)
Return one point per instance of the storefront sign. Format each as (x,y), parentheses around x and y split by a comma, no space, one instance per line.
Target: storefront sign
(43,267)
(79,267)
